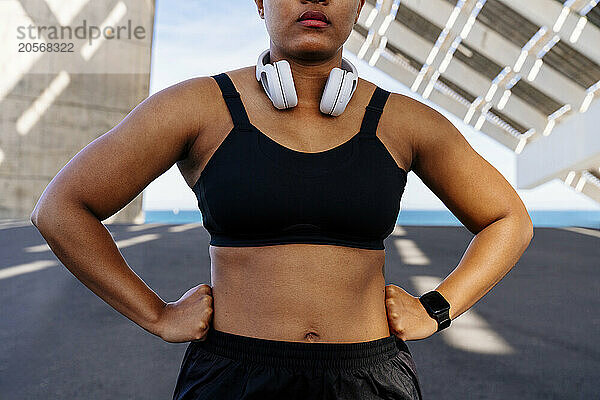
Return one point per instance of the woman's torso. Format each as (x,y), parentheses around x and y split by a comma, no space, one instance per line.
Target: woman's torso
(297,292)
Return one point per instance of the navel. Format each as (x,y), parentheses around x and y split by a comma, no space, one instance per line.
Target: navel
(311,336)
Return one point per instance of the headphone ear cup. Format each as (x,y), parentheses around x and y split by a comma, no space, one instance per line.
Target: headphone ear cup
(270,83)
(332,94)
(350,81)
(286,83)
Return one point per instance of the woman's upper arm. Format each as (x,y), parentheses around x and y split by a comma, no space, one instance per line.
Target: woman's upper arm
(472,189)
(113,169)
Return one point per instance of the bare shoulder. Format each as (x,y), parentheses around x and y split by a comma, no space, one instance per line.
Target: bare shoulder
(413,125)
(429,133)
(193,101)
(400,127)
(182,109)
(427,130)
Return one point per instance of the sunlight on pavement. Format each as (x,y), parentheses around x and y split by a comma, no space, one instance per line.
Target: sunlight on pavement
(410,252)
(584,231)
(25,268)
(469,331)
(142,227)
(184,227)
(120,243)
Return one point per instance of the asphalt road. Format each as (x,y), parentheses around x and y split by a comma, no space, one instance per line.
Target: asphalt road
(533,336)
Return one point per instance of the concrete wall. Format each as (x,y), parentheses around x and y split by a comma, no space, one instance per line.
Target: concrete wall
(54,104)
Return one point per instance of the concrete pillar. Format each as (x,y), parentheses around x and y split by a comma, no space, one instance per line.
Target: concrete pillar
(52,104)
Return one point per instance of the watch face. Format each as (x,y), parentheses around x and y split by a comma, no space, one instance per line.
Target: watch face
(436,302)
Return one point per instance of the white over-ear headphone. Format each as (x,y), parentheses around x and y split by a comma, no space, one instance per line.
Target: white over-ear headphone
(278,83)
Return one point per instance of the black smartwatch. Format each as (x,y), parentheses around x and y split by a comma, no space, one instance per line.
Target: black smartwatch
(437,307)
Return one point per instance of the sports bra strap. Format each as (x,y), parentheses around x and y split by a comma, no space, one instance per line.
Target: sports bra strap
(373,111)
(233,101)
(240,118)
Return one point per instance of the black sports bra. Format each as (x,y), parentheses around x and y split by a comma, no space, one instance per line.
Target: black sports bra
(256,192)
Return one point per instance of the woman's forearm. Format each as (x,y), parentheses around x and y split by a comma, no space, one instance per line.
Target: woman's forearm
(489,257)
(86,248)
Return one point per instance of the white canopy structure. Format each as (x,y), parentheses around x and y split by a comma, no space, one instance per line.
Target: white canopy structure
(526,73)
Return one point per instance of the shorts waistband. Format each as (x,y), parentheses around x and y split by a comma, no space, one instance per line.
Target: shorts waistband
(300,354)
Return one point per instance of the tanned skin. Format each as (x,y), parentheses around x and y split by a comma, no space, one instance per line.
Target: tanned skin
(293,292)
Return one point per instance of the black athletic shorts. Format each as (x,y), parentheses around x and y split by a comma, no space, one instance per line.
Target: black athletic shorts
(229,366)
